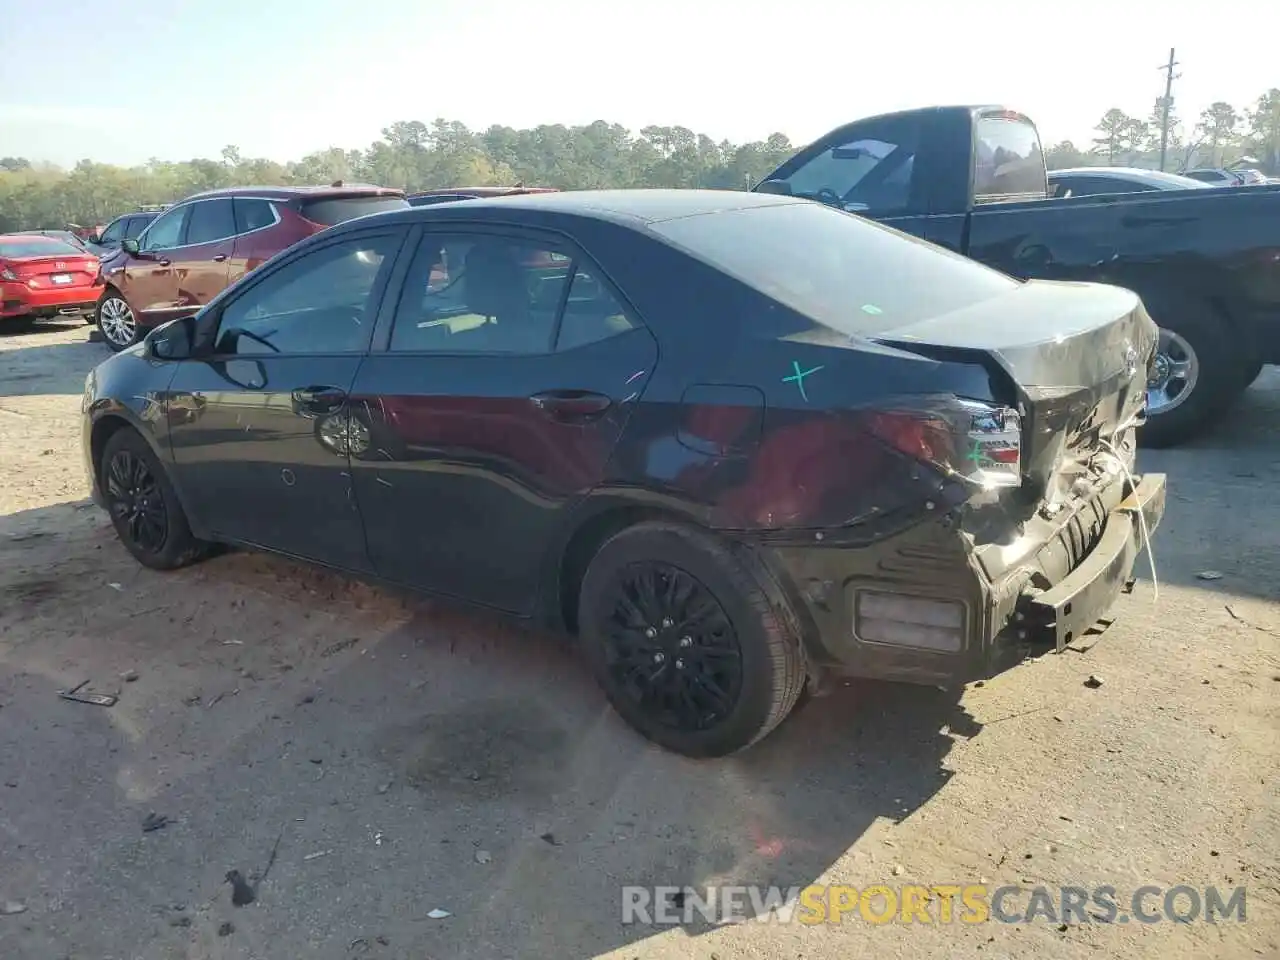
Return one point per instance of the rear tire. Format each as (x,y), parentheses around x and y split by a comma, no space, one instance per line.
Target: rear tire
(687,645)
(1202,347)
(143,506)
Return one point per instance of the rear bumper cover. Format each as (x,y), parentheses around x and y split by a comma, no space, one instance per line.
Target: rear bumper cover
(1078,601)
(19,300)
(1006,619)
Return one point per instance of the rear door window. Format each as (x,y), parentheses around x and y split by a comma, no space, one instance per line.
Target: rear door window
(478,293)
(253,213)
(332,210)
(1007,161)
(211,221)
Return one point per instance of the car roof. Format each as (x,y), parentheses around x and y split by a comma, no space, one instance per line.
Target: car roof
(480,191)
(1140,174)
(631,207)
(292,193)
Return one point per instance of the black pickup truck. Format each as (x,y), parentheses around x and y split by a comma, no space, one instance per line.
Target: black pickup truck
(1205,262)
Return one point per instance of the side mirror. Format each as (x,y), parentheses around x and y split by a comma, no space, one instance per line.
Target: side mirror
(174,340)
(781,188)
(130,247)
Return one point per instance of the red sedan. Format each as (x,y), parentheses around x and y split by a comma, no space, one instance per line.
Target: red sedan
(44,277)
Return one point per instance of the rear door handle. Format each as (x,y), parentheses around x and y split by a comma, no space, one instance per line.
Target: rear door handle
(219,258)
(571,405)
(319,400)
(164,261)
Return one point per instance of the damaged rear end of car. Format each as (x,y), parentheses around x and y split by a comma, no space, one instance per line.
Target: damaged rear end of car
(1022,517)
(969,493)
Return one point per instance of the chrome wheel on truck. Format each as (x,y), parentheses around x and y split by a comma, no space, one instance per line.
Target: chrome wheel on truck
(1174,373)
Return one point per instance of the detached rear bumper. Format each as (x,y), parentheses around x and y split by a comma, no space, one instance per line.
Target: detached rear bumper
(920,608)
(1083,597)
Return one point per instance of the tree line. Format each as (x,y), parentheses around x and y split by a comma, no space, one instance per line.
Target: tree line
(414,155)
(411,155)
(1220,136)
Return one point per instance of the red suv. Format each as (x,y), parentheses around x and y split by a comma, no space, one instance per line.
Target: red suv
(203,244)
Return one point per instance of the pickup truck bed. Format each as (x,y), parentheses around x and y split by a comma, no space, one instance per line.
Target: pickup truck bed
(1205,263)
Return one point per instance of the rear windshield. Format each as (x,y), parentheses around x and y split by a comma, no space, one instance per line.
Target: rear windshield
(329,211)
(38,247)
(844,272)
(1007,161)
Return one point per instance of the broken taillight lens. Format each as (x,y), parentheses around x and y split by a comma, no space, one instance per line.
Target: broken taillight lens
(979,443)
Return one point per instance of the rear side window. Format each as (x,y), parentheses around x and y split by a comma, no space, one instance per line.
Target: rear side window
(480,294)
(331,210)
(210,221)
(1007,161)
(839,270)
(253,213)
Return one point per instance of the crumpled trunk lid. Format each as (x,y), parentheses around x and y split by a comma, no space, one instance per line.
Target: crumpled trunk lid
(1074,355)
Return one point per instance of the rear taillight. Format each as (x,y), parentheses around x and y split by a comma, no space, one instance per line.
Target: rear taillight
(978,443)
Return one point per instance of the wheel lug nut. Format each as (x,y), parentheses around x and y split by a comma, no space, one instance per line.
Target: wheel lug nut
(679,664)
(667,623)
(686,641)
(650,632)
(659,657)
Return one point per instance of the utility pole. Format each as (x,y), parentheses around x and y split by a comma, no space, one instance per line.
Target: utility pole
(1166,105)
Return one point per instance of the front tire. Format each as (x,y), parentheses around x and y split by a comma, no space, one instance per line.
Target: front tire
(116,321)
(1197,374)
(143,506)
(685,642)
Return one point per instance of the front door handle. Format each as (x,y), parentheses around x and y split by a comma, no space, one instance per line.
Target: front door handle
(220,258)
(164,261)
(571,406)
(319,401)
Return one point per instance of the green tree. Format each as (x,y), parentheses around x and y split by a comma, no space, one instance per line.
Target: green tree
(1217,130)
(1116,131)
(1264,130)
(1064,155)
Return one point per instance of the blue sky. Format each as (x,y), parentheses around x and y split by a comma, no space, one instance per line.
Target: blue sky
(122,82)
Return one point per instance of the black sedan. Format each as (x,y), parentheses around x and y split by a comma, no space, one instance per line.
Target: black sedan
(739,444)
(1098,181)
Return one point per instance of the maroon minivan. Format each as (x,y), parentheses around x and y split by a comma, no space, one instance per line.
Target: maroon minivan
(206,242)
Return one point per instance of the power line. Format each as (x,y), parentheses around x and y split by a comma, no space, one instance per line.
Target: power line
(1167,104)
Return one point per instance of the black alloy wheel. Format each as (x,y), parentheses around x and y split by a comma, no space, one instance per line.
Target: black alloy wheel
(135,502)
(691,642)
(142,504)
(671,648)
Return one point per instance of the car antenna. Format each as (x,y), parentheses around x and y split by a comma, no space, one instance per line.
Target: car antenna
(336,183)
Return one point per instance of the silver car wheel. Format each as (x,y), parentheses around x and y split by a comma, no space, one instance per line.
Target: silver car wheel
(117,321)
(1174,373)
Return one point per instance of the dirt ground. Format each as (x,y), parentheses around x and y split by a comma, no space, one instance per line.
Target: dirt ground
(407,757)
